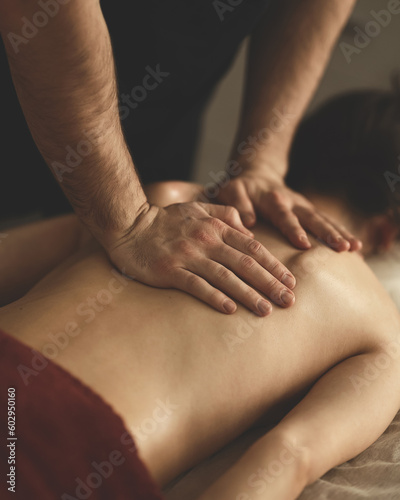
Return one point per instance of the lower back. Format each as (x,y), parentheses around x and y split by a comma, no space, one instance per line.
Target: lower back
(169,363)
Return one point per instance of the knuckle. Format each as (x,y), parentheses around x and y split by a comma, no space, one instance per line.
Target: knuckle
(274,284)
(201,235)
(231,211)
(223,274)
(276,196)
(254,247)
(275,267)
(215,223)
(192,281)
(247,262)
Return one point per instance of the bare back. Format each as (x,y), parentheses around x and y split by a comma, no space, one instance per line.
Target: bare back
(163,356)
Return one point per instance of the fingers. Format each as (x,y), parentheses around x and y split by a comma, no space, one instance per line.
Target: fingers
(323,229)
(237,196)
(336,236)
(230,216)
(275,207)
(294,219)
(206,256)
(227,281)
(214,281)
(198,287)
(252,262)
(355,243)
(289,225)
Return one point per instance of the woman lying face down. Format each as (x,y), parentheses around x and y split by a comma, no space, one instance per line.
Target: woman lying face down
(187,380)
(349,149)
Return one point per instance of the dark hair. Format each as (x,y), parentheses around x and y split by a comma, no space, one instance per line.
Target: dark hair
(347,147)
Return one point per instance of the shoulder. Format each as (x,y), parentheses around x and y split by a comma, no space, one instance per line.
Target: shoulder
(170,192)
(343,285)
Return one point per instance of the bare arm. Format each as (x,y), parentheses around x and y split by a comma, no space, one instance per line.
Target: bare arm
(335,422)
(287,56)
(64,76)
(65,80)
(288,53)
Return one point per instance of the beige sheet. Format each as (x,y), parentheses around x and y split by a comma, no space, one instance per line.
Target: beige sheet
(372,475)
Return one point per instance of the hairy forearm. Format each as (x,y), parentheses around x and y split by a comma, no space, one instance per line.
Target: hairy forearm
(288,53)
(65,79)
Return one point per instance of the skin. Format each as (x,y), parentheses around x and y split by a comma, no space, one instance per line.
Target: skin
(292,43)
(65,80)
(149,345)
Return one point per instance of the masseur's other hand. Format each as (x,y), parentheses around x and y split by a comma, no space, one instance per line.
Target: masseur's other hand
(206,251)
(255,192)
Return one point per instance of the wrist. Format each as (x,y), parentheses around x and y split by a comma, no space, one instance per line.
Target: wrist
(271,169)
(255,153)
(126,219)
(255,142)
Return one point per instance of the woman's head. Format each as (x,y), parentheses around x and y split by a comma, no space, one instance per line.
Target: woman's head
(349,148)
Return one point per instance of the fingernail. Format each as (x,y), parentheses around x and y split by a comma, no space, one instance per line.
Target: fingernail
(303,238)
(334,241)
(264,307)
(288,280)
(287,297)
(229,306)
(341,245)
(338,240)
(354,242)
(248,219)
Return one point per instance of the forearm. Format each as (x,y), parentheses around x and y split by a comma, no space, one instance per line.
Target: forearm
(288,53)
(65,80)
(341,416)
(248,478)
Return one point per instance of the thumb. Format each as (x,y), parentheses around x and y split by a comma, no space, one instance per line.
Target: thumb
(230,216)
(237,196)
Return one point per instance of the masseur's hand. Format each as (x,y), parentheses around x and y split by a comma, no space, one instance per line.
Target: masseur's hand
(256,191)
(206,251)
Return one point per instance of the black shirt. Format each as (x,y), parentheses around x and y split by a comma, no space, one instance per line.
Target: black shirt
(169,56)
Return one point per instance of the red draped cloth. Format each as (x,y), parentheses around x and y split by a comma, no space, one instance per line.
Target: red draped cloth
(70,444)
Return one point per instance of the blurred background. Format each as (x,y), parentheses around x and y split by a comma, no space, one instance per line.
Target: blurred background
(373,66)
(21,197)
